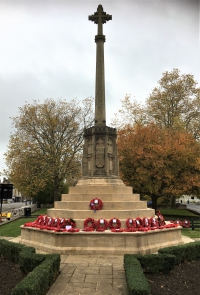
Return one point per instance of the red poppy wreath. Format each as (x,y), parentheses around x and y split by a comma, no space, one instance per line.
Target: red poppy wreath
(130,223)
(96,204)
(89,224)
(101,225)
(114,223)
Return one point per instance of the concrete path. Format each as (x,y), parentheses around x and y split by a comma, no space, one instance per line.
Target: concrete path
(87,274)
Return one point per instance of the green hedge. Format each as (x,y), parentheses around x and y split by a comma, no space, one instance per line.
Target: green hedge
(186,252)
(38,281)
(136,281)
(28,260)
(11,251)
(164,262)
(42,269)
(154,263)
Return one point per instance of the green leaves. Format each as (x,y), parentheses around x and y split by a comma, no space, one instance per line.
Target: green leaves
(46,144)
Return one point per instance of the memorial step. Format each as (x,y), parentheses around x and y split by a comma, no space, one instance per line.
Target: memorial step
(106,214)
(111,197)
(83,205)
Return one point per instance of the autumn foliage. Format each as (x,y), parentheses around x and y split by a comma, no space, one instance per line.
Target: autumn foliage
(158,161)
(174,103)
(46,146)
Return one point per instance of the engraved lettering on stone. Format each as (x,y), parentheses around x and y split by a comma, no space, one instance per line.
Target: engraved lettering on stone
(100,153)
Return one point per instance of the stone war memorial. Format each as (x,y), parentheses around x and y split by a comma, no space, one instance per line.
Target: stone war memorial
(100,215)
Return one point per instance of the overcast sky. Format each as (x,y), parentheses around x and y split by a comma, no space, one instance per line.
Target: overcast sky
(47,50)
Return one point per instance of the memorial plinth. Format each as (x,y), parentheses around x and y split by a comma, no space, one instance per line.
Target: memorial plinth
(119,202)
(100,179)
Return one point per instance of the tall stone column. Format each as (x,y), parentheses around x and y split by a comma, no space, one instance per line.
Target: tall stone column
(100,149)
(100,17)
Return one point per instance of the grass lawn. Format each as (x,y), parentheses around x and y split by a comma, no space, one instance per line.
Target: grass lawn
(177,212)
(193,234)
(12,229)
(39,212)
(185,213)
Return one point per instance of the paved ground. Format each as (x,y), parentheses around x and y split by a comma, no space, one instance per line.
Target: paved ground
(90,274)
(83,274)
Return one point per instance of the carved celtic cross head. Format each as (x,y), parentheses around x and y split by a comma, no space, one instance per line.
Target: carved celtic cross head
(100,17)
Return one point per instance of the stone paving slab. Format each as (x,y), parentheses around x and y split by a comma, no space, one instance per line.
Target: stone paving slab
(87,274)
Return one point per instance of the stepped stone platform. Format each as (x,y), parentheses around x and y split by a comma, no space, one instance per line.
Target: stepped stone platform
(118,202)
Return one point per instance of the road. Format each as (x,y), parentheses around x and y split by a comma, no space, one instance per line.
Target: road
(10,206)
(194,207)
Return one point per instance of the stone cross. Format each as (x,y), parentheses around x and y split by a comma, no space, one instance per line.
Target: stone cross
(100,17)
(100,158)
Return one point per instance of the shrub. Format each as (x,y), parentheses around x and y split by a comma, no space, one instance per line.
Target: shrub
(11,251)
(136,280)
(28,260)
(154,263)
(187,252)
(42,269)
(38,281)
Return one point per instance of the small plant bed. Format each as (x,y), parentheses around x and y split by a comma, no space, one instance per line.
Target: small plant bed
(183,279)
(10,276)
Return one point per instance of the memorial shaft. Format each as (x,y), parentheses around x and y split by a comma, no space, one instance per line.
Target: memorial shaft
(100,157)
(100,17)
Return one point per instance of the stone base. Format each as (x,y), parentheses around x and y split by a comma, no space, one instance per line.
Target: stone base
(101,242)
(118,202)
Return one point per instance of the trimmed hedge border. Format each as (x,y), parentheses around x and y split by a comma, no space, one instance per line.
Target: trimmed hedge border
(186,252)
(41,269)
(136,281)
(135,265)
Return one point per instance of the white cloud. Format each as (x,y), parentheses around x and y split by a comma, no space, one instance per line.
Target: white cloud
(47,49)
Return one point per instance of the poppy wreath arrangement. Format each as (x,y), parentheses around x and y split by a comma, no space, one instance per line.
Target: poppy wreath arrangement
(50,223)
(71,222)
(161,220)
(154,223)
(114,223)
(146,222)
(139,223)
(89,224)
(101,224)
(96,204)
(185,223)
(130,223)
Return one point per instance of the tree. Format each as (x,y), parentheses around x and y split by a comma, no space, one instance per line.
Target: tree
(131,112)
(158,161)
(174,103)
(46,195)
(47,143)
